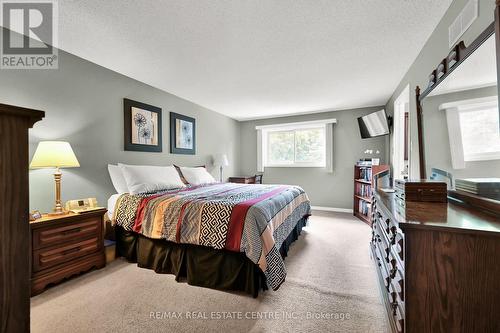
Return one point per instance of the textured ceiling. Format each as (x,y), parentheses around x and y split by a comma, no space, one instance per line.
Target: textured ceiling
(260,58)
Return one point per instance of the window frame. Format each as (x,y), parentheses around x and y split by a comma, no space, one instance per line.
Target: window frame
(295,163)
(453,110)
(262,143)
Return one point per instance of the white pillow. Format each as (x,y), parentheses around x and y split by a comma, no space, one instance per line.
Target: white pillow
(147,178)
(117,179)
(197,176)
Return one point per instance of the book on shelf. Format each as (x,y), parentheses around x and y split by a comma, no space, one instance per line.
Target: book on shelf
(364,208)
(365,174)
(364,190)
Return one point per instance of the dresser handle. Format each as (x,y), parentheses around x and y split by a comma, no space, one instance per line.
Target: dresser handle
(378,261)
(393,272)
(393,240)
(391,230)
(400,243)
(387,284)
(394,306)
(71,231)
(391,261)
(75,249)
(401,286)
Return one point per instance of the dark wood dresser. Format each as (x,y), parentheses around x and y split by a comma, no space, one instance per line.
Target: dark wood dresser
(438,265)
(14,225)
(64,246)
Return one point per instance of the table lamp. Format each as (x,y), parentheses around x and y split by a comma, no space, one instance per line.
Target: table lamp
(55,154)
(221,161)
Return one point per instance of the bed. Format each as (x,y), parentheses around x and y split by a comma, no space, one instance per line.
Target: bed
(222,236)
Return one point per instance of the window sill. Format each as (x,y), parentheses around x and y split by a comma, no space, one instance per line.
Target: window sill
(482,157)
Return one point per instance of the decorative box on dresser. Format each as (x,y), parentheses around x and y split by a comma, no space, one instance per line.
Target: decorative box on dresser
(66,245)
(364,176)
(438,265)
(14,219)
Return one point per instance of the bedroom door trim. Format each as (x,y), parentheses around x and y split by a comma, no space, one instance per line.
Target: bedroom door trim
(401,134)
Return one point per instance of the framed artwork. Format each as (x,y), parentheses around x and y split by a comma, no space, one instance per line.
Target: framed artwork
(142,126)
(182,134)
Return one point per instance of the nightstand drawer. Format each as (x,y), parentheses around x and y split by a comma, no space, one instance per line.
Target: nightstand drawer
(53,256)
(63,233)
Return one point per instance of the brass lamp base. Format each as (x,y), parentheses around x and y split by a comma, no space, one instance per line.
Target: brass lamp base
(58,209)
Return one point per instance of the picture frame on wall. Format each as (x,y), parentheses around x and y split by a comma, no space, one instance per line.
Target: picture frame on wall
(182,134)
(143,127)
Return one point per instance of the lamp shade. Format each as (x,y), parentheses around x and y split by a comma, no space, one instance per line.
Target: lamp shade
(54,154)
(221,160)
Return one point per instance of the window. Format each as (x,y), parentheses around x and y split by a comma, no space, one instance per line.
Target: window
(305,144)
(473,128)
(480,134)
(300,147)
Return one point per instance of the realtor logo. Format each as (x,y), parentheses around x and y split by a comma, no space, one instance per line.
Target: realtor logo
(29,34)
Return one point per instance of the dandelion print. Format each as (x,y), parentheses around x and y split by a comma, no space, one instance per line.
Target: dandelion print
(144,125)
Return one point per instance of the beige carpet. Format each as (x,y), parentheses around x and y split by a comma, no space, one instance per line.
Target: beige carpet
(330,287)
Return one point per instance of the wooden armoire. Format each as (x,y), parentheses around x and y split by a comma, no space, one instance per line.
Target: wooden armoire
(14,217)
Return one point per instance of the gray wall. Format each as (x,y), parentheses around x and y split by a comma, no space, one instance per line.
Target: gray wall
(84,105)
(436,139)
(324,189)
(435,49)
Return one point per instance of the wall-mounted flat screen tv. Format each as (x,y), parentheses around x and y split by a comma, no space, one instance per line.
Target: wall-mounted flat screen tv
(373,124)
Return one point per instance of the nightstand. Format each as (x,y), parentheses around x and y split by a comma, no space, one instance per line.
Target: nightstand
(62,246)
(242,180)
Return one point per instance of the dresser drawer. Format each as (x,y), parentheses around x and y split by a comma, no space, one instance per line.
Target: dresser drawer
(49,257)
(50,236)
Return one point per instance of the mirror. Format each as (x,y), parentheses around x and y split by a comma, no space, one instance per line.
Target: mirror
(461,120)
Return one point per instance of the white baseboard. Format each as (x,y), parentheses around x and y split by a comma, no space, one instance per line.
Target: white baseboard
(332,209)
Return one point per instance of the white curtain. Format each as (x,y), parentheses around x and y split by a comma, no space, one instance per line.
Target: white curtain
(260,160)
(329,147)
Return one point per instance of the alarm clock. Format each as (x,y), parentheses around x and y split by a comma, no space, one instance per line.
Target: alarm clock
(82,205)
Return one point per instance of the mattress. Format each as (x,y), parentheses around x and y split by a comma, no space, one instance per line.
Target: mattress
(112,204)
(253,219)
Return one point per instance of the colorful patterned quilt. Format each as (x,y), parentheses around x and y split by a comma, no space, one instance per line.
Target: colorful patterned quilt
(254,219)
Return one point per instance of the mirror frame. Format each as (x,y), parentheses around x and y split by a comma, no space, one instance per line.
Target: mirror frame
(462,54)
